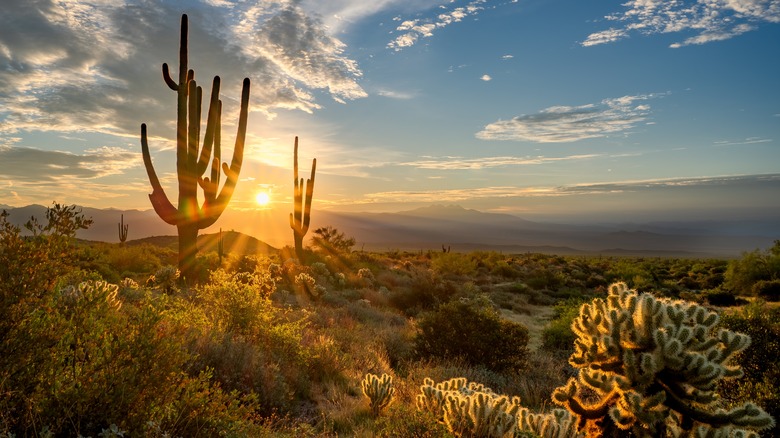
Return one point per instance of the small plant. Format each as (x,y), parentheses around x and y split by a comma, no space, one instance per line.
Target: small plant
(166,279)
(122,230)
(379,390)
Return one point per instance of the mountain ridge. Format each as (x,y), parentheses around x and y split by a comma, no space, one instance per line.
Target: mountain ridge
(452,225)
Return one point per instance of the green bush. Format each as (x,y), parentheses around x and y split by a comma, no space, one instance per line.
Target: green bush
(760,362)
(767,290)
(472,330)
(558,335)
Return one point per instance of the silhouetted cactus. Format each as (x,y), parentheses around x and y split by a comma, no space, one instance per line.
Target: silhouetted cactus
(191,164)
(654,365)
(301,215)
(220,247)
(379,390)
(122,230)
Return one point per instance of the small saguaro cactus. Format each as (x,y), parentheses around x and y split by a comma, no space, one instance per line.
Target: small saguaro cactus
(193,159)
(301,215)
(653,366)
(220,247)
(122,230)
(379,390)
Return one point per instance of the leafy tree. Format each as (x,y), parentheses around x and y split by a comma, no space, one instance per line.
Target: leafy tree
(753,267)
(330,239)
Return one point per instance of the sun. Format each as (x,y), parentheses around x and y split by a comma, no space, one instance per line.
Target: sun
(262,199)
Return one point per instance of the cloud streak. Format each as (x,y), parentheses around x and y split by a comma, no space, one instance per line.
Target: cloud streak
(560,124)
(413,30)
(459,163)
(711,20)
(466,194)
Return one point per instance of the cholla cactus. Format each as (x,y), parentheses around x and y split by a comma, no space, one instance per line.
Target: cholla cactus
(165,278)
(558,423)
(308,284)
(90,294)
(654,365)
(379,390)
(470,409)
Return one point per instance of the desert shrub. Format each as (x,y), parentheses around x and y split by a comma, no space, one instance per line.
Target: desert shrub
(472,330)
(760,363)
(751,268)
(406,421)
(721,298)
(453,263)
(137,259)
(768,290)
(330,240)
(426,289)
(558,335)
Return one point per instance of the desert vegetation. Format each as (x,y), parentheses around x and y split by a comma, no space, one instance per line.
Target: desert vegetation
(140,340)
(107,340)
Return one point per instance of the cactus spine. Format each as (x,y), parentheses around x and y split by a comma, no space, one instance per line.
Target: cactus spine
(191,164)
(469,409)
(122,230)
(301,215)
(654,365)
(379,390)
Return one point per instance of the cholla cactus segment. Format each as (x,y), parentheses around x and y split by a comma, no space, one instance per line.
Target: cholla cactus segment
(469,409)
(558,423)
(379,390)
(90,294)
(654,364)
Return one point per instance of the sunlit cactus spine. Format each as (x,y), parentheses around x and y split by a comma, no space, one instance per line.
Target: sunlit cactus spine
(558,423)
(654,365)
(470,409)
(193,159)
(122,230)
(379,390)
(301,215)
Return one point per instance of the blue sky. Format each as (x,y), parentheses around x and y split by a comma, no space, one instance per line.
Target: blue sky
(550,110)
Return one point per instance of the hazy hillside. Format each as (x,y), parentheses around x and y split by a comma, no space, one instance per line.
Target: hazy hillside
(461,229)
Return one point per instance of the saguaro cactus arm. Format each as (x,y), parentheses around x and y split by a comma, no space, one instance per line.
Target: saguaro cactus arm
(162,206)
(193,159)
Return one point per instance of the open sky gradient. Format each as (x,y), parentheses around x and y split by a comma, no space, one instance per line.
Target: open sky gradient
(554,109)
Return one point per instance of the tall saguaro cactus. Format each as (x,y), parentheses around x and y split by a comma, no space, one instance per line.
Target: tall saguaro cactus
(301,215)
(193,159)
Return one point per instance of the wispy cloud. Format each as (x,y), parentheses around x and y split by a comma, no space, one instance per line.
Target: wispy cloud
(29,164)
(95,67)
(711,20)
(418,28)
(572,123)
(393,94)
(486,78)
(459,163)
(465,194)
(749,140)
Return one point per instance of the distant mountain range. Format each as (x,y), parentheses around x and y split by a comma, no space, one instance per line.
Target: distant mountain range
(458,228)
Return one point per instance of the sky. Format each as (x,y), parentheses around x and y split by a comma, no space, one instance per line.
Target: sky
(554,110)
